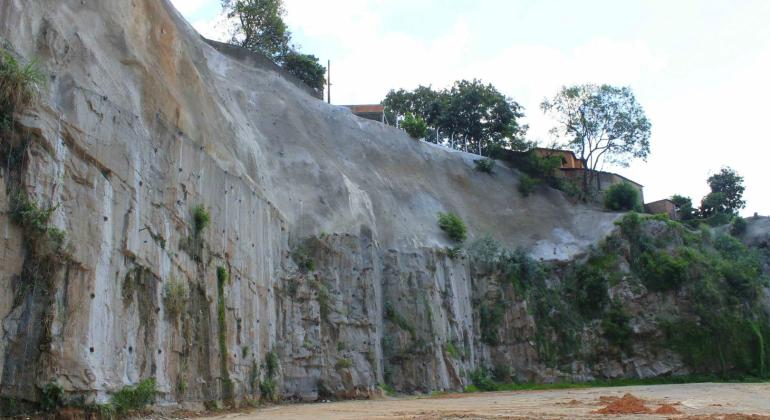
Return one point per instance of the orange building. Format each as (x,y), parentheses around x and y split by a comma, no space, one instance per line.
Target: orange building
(370,112)
(568,158)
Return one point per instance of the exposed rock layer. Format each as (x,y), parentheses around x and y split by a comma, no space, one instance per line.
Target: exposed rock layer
(140,122)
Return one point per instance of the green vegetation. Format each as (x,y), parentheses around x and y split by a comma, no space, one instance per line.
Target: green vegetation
(453,226)
(201,219)
(133,398)
(482,380)
(527,185)
(324,299)
(395,318)
(259,27)
(175,297)
(302,258)
(268,387)
(490,318)
(344,364)
(193,244)
(227,385)
(42,238)
(306,68)
(615,327)
(738,227)
(52,397)
(19,87)
(726,195)
(622,197)
(454,252)
(451,350)
(389,390)
(470,115)
(661,380)
(610,125)
(416,127)
(486,166)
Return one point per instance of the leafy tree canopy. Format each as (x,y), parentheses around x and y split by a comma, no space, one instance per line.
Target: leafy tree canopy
(726,195)
(601,123)
(306,68)
(259,27)
(469,115)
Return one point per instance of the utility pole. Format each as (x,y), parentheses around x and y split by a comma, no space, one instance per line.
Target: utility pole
(329,81)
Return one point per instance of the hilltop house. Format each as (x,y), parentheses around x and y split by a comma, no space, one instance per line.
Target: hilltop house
(370,112)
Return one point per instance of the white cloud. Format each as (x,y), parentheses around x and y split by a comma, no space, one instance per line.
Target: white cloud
(188,7)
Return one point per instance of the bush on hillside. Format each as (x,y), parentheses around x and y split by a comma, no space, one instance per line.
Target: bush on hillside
(416,127)
(485,165)
(527,185)
(453,226)
(622,197)
(19,86)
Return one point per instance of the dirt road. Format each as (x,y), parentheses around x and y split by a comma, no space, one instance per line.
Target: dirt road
(693,401)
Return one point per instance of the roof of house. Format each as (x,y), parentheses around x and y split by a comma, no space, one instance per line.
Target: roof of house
(365,109)
(660,201)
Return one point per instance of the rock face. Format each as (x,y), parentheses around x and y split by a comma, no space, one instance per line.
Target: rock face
(323,253)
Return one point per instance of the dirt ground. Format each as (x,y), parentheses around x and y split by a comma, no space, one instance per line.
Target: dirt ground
(691,401)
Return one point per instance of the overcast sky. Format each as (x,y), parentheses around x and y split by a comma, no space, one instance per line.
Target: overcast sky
(700,69)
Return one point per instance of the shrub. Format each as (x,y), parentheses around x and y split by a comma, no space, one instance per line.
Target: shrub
(589,289)
(175,297)
(53,397)
(483,381)
(661,271)
(453,226)
(302,259)
(398,320)
(527,185)
(201,219)
(454,252)
(490,319)
(616,328)
(738,227)
(267,390)
(451,350)
(622,197)
(134,397)
(19,86)
(485,165)
(416,127)
(502,373)
(222,275)
(344,364)
(272,364)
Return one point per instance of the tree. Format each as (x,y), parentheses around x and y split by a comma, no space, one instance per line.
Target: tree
(469,115)
(415,126)
(726,195)
(622,197)
(602,124)
(306,68)
(259,26)
(684,207)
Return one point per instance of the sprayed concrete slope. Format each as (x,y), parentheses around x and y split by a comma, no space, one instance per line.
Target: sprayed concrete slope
(141,120)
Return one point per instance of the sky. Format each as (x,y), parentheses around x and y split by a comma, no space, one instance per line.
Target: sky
(699,68)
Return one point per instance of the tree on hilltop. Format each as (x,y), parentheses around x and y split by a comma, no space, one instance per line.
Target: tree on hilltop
(258,26)
(469,116)
(726,196)
(601,123)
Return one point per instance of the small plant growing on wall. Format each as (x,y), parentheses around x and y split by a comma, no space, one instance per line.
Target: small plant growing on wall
(453,226)
(201,219)
(486,166)
(175,297)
